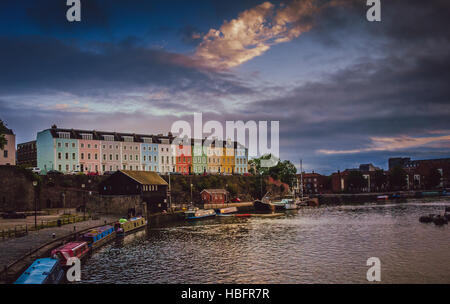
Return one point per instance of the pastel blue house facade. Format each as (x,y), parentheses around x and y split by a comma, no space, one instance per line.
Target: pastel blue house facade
(57,151)
(45,145)
(149,156)
(240,159)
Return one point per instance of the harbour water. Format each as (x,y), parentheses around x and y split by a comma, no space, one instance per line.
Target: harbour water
(312,245)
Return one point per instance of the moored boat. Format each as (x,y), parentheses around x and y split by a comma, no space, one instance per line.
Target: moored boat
(194,214)
(227,211)
(99,236)
(124,226)
(77,249)
(42,271)
(290,203)
(260,205)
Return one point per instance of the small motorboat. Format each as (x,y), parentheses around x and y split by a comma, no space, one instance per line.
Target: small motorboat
(196,213)
(226,211)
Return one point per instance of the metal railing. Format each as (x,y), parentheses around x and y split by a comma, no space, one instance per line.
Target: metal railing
(22,230)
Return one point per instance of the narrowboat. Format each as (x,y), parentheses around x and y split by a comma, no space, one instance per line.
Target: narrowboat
(42,271)
(77,249)
(124,226)
(199,213)
(99,236)
(227,211)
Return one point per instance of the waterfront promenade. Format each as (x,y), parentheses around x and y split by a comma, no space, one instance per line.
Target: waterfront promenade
(14,248)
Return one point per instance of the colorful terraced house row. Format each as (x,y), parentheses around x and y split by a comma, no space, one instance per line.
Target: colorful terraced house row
(70,150)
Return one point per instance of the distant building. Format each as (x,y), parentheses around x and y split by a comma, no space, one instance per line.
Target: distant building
(339,180)
(418,170)
(8,153)
(214,196)
(149,185)
(27,154)
(314,183)
(368,167)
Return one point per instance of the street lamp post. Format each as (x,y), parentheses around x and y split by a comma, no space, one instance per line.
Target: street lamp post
(170,193)
(84,202)
(191,192)
(35,183)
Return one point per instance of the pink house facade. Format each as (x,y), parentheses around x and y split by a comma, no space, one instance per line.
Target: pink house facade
(89,153)
(8,153)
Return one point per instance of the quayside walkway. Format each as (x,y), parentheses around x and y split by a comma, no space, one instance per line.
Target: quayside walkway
(15,248)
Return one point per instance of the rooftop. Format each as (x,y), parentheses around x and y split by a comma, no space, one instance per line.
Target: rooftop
(145,177)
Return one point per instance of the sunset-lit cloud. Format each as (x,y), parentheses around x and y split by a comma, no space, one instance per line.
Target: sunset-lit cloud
(392,144)
(253,32)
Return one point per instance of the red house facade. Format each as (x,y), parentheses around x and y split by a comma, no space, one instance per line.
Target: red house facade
(183,159)
(214,196)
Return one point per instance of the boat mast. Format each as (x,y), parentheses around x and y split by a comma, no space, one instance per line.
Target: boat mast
(301,177)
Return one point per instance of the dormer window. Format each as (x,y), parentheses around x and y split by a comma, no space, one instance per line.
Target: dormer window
(64,135)
(148,140)
(108,137)
(128,138)
(86,136)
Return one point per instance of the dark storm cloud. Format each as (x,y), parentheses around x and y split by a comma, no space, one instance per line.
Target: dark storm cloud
(31,64)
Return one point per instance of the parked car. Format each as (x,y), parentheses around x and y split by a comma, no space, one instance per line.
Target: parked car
(236,200)
(14,215)
(109,172)
(92,174)
(34,170)
(54,172)
(76,172)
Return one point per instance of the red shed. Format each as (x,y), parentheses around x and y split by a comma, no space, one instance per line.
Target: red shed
(214,196)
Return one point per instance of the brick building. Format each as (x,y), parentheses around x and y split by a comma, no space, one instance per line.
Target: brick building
(315,183)
(214,196)
(340,180)
(418,170)
(27,154)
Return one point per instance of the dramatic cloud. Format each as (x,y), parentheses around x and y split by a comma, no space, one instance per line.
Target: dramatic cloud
(254,32)
(392,143)
(103,67)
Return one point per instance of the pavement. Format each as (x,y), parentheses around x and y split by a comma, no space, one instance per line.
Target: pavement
(14,248)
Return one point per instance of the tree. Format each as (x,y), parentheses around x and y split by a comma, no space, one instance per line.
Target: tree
(433,178)
(397,178)
(356,180)
(284,170)
(3,130)
(380,179)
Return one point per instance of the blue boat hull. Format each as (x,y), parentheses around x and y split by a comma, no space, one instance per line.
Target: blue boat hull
(200,217)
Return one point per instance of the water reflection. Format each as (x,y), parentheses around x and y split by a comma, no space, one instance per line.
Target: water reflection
(312,245)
